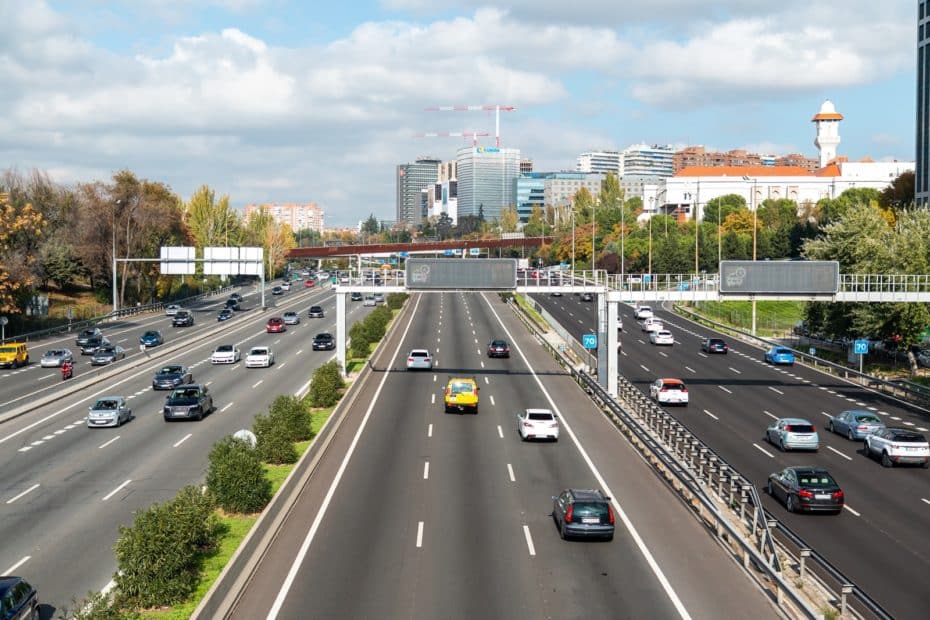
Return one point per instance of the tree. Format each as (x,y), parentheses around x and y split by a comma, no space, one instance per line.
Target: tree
(444,226)
(900,194)
(536,223)
(20,230)
(717,209)
(370,226)
(211,222)
(510,219)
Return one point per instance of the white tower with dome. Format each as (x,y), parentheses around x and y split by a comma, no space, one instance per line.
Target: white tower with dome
(828,132)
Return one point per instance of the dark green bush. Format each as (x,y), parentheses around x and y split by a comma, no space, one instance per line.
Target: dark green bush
(236,478)
(359,330)
(273,446)
(360,346)
(327,383)
(159,557)
(395,301)
(377,322)
(289,412)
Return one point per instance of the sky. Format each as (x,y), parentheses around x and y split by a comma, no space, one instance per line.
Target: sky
(291,101)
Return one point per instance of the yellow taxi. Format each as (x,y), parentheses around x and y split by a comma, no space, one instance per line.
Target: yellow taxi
(462,394)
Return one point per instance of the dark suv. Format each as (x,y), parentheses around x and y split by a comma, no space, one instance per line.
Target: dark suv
(90,345)
(184,318)
(324,342)
(191,401)
(18,599)
(498,348)
(583,513)
(714,345)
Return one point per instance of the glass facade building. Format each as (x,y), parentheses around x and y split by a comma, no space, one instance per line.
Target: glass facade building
(411,179)
(486,177)
(922,171)
(599,161)
(529,191)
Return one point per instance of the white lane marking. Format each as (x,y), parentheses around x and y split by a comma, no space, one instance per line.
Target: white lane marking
(628,524)
(641,341)
(529,540)
(851,510)
(48,437)
(429,430)
(925,500)
(724,389)
(689,369)
(493,404)
(116,490)
(478,351)
(282,365)
(432,399)
(826,414)
(183,439)
(835,451)
(321,513)
(25,449)
(60,431)
(702,355)
(123,340)
(434,378)
(500,431)
(300,351)
(663,354)
(711,415)
(763,450)
(38,442)
(419,542)
(226,407)
(895,418)
(509,473)
(486,382)
(13,568)
(769,414)
(426,470)
(644,368)
(776,390)
(907,423)
(921,429)
(105,444)
(735,370)
(482,364)
(26,492)
(883,413)
(277,341)
(860,404)
(260,381)
(476,341)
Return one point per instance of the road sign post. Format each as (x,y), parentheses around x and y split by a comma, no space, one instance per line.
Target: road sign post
(860,348)
(589,341)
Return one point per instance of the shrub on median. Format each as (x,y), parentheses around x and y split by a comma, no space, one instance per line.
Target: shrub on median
(274,446)
(290,412)
(236,478)
(327,384)
(396,300)
(159,556)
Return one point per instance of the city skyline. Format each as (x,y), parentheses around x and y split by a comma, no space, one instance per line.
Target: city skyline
(273,101)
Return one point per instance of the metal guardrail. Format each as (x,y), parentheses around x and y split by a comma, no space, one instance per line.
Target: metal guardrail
(706,480)
(122,312)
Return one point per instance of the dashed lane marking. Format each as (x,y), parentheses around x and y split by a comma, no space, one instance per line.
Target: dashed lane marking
(710,414)
(851,510)
(105,444)
(529,540)
(776,390)
(500,431)
(30,490)
(419,534)
(116,490)
(724,389)
(763,450)
(835,451)
(182,440)
(509,473)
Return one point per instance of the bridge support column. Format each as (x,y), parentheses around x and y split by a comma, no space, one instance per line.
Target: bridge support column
(341,331)
(613,351)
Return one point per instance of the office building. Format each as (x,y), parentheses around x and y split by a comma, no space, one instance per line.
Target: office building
(526,165)
(411,179)
(529,192)
(298,216)
(561,187)
(485,180)
(602,162)
(922,172)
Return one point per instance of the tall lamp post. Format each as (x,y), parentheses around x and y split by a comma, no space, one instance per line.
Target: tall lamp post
(652,200)
(573,240)
(593,231)
(697,227)
(113,249)
(752,201)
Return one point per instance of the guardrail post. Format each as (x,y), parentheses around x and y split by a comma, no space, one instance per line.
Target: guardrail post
(722,472)
(802,568)
(846,588)
(769,524)
(743,500)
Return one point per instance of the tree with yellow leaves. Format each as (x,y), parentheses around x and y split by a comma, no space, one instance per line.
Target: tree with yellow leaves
(20,228)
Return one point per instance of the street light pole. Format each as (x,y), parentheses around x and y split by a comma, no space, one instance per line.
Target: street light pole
(752,202)
(593,231)
(573,240)
(113,248)
(651,215)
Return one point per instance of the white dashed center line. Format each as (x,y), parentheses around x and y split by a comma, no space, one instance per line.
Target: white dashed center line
(429,430)
(226,407)
(509,473)
(735,370)
(426,470)
(835,451)
(419,534)
(258,383)
(36,486)
(851,510)
(529,540)
(776,390)
(432,399)
(104,445)
(689,369)
(724,389)
(763,451)
(182,440)
(500,431)
(493,404)
(116,490)
(769,414)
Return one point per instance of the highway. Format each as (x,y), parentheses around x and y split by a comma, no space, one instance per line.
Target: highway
(66,489)
(880,541)
(418,514)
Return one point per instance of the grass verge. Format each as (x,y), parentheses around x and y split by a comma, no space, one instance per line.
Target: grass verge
(773,318)
(531,311)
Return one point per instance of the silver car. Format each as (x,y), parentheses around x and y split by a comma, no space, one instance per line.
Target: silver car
(793,434)
(54,358)
(419,359)
(855,424)
(108,411)
(291,318)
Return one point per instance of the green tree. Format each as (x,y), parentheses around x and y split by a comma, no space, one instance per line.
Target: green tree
(510,219)
(371,226)
(536,223)
(236,478)
(717,209)
(211,222)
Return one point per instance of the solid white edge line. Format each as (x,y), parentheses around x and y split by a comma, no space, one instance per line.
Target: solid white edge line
(426,470)
(104,445)
(115,491)
(529,540)
(419,534)
(509,472)
(311,533)
(183,439)
(832,449)
(634,534)
(26,492)
(13,568)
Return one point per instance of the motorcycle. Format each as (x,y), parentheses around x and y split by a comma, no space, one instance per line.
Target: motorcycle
(67,371)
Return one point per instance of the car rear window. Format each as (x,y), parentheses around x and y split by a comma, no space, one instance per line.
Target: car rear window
(908,437)
(419,354)
(783,351)
(672,386)
(540,416)
(819,479)
(590,509)
(866,418)
(799,428)
(459,388)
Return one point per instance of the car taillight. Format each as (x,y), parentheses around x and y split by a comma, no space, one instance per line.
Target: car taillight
(664,390)
(506,349)
(610,514)
(788,428)
(804,493)
(838,495)
(862,427)
(568,515)
(409,359)
(683,389)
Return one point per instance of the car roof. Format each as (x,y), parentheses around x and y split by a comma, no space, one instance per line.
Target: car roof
(808,469)
(587,495)
(670,380)
(539,410)
(858,412)
(905,432)
(420,351)
(664,331)
(8,581)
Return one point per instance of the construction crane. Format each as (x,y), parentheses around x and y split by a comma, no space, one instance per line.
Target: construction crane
(497,109)
(453,134)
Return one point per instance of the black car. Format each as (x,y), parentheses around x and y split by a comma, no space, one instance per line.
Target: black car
(315,312)
(183,318)
(714,345)
(91,345)
(806,489)
(324,342)
(88,334)
(583,513)
(355,296)
(587,297)
(190,401)
(277,290)
(498,348)
(170,377)
(224,315)
(18,599)
(236,296)
(232,304)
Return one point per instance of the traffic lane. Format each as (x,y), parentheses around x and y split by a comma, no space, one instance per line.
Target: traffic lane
(733,424)
(680,545)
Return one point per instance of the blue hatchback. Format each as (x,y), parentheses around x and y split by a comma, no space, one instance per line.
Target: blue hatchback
(779,355)
(152,338)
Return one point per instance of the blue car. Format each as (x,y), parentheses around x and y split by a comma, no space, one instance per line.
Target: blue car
(779,355)
(152,338)
(855,424)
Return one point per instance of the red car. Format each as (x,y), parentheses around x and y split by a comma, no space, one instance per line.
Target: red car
(309,283)
(275,325)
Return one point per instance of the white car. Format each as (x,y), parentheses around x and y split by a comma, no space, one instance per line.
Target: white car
(643,312)
(225,354)
(291,318)
(898,446)
(172,309)
(662,336)
(259,357)
(286,285)
(537,424)
(669,391)
(419,359)
(369,301)
(653,325)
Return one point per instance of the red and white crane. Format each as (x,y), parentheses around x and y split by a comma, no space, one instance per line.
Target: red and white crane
(453,134)
(496,108)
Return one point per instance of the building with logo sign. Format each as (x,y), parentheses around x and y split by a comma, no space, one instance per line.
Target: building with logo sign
(485,179)
(411,180)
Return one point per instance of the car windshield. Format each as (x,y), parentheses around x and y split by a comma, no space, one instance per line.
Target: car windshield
(224,348)
(258,352)
(7,349)
(106,404)
(589,509)
(316,309)
(169,370)
(799,428)
(540,416)
(150,334)
(105,350)
(815,479)
(54,353)
(459,388)
(324,336)
(184,394)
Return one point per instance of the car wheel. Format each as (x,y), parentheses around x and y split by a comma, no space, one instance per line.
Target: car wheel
(562,533)
(199,415)
(850,436)
(886,460)
(830,427)
(789,503)
(771,489)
